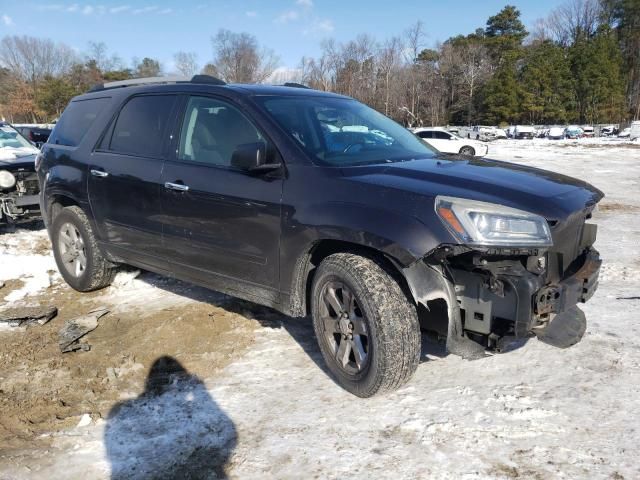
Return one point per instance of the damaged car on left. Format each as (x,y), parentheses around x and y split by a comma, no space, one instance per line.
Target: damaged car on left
(19,187)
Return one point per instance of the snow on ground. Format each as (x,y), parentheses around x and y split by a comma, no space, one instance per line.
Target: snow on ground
(535,412)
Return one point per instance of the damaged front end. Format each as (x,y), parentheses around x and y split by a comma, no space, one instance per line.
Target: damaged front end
(18,195)
(497,295)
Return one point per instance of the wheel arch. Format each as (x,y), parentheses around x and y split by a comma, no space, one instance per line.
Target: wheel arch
(307,263)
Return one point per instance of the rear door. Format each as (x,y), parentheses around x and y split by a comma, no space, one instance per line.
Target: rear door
(220,223)
(443,142)
(125,178)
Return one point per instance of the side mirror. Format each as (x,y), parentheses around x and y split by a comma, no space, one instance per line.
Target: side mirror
(249,155)
(252,157)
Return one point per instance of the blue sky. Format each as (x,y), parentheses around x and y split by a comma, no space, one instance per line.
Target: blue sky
(292,28)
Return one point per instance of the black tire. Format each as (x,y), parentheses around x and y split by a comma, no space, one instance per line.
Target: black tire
(392,330)
(97,272)
(466,150)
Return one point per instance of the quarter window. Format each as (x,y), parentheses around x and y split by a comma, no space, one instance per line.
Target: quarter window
(76,120)
(140,128)
(212,130)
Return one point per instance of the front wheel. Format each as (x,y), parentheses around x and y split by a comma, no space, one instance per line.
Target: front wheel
(366,327)
(76,252)
(467,151)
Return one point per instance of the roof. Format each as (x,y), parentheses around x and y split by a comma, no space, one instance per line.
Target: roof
(200,83)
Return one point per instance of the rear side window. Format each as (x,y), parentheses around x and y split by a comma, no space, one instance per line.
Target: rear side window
(442,135)
(425,134)
(141,124)
(76,120)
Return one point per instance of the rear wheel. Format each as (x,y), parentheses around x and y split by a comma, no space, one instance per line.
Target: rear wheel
(366,327)
(467,151)
(76,252)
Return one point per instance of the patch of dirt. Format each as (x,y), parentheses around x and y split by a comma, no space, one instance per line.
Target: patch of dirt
(615,207)
(43,390)
(10,286)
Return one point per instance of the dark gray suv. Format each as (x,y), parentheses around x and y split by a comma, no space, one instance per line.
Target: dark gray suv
(314,204)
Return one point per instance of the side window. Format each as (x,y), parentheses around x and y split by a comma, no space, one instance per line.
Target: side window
(425,134)
(442,135)
(76,120)
(212,130)
(141,124)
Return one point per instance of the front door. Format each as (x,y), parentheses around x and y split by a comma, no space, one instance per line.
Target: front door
(125,179)
(222,224)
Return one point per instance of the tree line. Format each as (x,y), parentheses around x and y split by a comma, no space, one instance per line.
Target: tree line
(581,64)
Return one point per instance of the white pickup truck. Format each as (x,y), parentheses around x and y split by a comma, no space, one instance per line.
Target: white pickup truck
(524,131)
(484,133)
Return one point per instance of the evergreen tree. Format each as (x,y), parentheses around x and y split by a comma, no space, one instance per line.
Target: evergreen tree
(547,85)
(596,64)
(504,35)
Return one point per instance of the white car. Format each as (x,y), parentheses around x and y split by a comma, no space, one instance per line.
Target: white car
(447,142)
(555,133)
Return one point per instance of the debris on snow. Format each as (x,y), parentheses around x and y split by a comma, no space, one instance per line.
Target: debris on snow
(73,330)
(85,420)
(19,316)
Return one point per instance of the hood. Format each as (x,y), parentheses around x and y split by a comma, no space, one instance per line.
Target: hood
(552,195)
(15,158)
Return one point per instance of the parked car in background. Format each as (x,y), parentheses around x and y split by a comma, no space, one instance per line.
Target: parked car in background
(607,131)
(524,132)
(448,142)
(555,133)
(573,132)
(625,133)
(634,130)
(484,133)
(35,134)
(588,131)
(18,181)
(261,192)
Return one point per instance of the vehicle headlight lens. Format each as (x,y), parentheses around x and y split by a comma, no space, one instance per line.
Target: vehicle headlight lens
(7,180)
(481,223)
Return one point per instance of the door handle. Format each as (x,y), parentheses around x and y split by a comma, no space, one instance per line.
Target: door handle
(99,173)
(179,187)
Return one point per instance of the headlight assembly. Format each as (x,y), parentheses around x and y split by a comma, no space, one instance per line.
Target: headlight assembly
(7,180)
(481,223)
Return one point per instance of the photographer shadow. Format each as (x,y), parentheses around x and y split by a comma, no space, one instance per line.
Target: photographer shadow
(174,429)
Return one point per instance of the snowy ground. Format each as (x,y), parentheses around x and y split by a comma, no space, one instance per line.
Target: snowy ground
(273,412)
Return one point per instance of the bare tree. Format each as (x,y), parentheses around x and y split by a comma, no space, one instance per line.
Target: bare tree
(98,53)
(186,63)
(414,37)
(31,59)
(389,61)
(573,20)
(238,58)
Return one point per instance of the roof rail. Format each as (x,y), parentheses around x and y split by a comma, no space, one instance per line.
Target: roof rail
(207,79)
(295,85)
(158,80)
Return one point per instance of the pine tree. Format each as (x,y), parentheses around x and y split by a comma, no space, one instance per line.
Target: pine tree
(596,64)
(504,35)
(547,85)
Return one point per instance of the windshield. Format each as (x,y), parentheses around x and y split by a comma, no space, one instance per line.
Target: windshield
(10,139)
(343,132)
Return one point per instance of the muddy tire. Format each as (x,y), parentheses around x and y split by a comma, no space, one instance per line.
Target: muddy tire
(467,151)
(76,252)
(366,326)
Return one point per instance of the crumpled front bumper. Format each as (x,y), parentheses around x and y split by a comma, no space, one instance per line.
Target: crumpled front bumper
(14,207)
(497,301)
